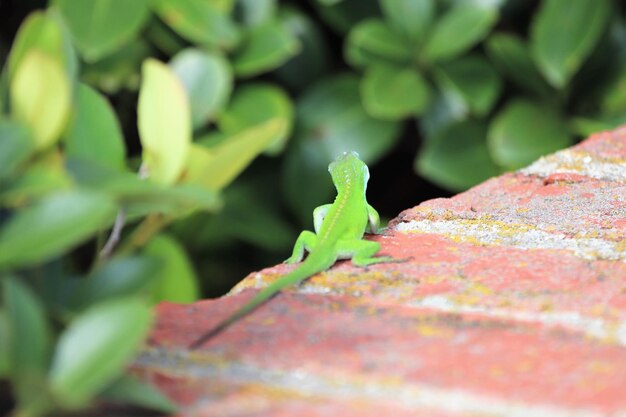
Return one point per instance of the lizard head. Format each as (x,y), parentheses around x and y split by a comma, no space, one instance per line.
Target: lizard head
(348,167)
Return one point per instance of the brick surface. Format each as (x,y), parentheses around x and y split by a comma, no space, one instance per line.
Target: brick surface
(511,301)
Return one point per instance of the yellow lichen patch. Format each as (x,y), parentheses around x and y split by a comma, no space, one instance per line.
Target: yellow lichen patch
(479,288)
(475,226)
(255,280)
(427,330)
(270,394)
(353,283)
(466,299)
(434,279)
(601,367)
(605,311)
(467,239)
(613,160)
(524,366)
(504,303)
(204,357)
(339,282)
(497,371)
(336,306)
(422,209)
(546,306)
(269,321)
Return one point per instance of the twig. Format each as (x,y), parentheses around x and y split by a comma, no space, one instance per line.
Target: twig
(118,226)
(115,235)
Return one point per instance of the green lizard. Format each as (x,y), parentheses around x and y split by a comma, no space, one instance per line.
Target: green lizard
(339,226)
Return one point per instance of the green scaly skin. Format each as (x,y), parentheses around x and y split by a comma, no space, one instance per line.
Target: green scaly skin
(340,227)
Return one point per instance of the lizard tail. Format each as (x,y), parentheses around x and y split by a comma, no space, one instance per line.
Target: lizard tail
(314,263)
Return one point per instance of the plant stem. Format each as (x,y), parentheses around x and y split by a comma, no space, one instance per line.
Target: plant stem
(114,237)
(150,226)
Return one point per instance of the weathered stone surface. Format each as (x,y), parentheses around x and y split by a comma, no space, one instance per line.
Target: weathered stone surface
(511,301)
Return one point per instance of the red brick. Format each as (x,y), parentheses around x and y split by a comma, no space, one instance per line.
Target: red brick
(511,300)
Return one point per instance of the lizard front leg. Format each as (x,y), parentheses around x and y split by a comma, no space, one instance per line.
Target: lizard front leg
(373,220)
(318,216)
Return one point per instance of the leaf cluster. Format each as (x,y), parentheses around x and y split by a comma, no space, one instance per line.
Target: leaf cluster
(84,252)
(488,98)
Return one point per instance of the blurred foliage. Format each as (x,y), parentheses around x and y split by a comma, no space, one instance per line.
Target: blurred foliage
(125,124)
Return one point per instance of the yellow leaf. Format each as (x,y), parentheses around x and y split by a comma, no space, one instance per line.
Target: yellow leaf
(217,166)
(40,97)
(164,120)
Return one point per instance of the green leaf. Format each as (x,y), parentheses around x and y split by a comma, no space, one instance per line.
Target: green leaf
(215,167)
(142,197)
(120,277)
(5,345)
(394,93)
(119,70)
(443,111)
(128,389)
(40,97)
(305,168)
(208,80)
(28,329)
(254,104)
(164,120)
(511,56)
(224,6)
(313,60)
(343,15)
(182,199)
(15,147)
(100,27)
(94,133)
(95,348)
(599,73)
(330,114)
(52,226)
(586,126)
(199,21)
(176,280)
(374,41)
(176,201)
(29,343)
(457,158)
(42,31)
(331,120)
(559,53)
(473,80)
(523,131)
(613,99)
(409,17)
(40,178)
(266,47)
(253,216)
(256,12)
(459,29)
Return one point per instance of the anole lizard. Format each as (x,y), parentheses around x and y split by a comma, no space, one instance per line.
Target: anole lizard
(339,229)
